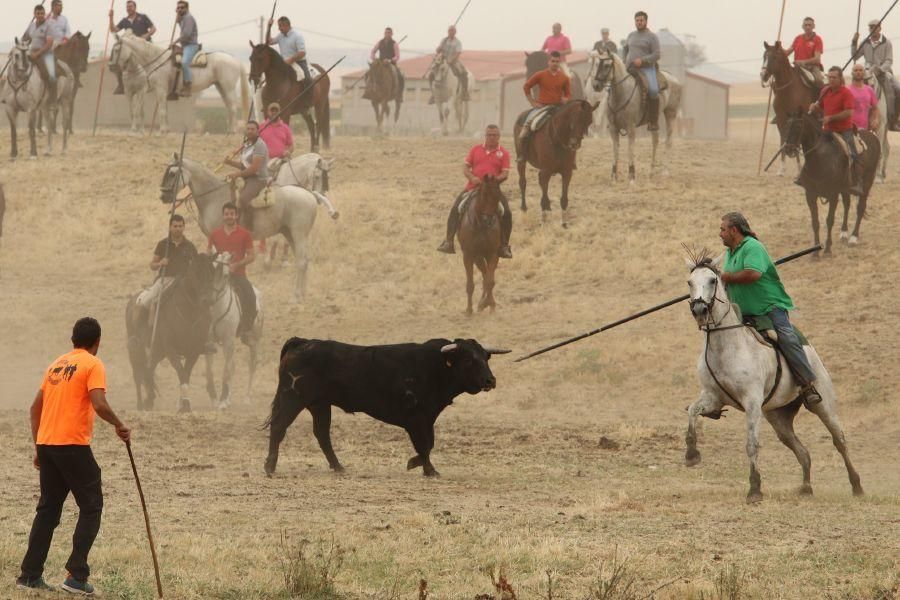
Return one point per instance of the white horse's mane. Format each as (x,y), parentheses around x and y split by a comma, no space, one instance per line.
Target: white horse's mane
(702,257)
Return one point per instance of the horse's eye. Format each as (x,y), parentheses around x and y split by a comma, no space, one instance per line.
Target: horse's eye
(712,281)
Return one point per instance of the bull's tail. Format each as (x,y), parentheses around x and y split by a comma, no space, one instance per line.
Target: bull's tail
(285,381)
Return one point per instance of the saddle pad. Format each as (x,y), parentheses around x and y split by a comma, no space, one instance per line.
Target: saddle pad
(763,324)
(842,144)
(807,77)
(264,199)
(313,71)
(199,60)
(541,117)
(471,195)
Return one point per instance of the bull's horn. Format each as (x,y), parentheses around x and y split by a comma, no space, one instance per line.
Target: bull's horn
(448,348)
(497,351)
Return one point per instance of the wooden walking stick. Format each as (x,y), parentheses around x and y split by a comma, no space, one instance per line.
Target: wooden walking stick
(156,108)
(102,72)
(137,481)
(769,103)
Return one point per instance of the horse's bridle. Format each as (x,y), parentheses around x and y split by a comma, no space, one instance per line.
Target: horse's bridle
(711,326)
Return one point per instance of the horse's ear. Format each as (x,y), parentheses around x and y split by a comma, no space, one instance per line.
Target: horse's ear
(778,44)
(766,45)
(717,261)
(88,36)
(527,54)
(689,263)
(252,46)
(17,41)
(595,105)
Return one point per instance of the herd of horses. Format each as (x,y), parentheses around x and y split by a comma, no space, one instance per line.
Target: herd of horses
(202,306)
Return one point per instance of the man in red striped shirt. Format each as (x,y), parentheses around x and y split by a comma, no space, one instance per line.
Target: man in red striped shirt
(489,158)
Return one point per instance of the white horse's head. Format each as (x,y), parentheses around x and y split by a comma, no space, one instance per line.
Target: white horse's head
(175,178)
(221,261)
(708,300)
(602,70)
(19,57)
(321,173)
(121,53)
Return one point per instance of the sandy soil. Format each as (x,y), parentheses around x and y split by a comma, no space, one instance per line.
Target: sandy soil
(575,458)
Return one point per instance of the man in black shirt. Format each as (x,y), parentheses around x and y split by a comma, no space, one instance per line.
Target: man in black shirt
(139,24)
(170,264)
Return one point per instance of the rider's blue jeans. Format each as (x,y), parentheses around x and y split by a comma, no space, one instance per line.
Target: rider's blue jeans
(789,344)
(652,83)
(188,53)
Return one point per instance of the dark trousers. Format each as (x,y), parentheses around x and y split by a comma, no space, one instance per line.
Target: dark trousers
(65,469)
(247,297)
(304,66)
(505,220)
(790,346)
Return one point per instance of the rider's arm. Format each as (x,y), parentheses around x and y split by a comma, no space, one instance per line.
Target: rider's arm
(396,53)
(374,50)
(46,47)
(567,90)
(888,63)
(874,117)
(271,41)
(467,171)
(653,57)
(249,256)
(151,29)
(253,167)
(112,26)
(532,81)
(503,175)
(742,277)
(156,262)
(844,114)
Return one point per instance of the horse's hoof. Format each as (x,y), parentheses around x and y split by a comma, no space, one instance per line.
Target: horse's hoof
(754,497)
(805,490)
(692,458)
(32,157)
(845,236)
(853,241)
(335,215)
(858,491)
(432,473)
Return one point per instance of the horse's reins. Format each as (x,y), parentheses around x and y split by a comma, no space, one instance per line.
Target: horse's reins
(711,328)
(613,84)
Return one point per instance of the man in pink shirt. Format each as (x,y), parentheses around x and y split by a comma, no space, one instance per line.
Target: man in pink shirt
(864,100)
(559,43)
(277,134)
(489,158)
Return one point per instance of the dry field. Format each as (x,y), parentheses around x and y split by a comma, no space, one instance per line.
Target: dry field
(572,466)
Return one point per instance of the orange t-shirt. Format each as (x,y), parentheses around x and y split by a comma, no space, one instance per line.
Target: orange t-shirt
(552,88)
(67,416)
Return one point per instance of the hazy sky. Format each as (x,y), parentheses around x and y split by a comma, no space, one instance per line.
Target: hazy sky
(732,32)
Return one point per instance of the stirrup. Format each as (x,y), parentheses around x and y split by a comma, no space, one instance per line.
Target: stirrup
(810,396)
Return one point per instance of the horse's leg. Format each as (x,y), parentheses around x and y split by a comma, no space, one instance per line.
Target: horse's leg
(468,263)
(845,198)
(184,403)
(812,201)
(829,221)
(227,372)
(520,166)
(670,115)
(544,180)
(614,136)
(753,408)
(782,421)
(32,133)
(826,410)
(706,404)
(654,145)
(301,262)
(377,109)
(631,137)
(252,360)
(13,134)
(564,199)
(491,280)
(311,125)
(210,376)
(860,213)
(162,103)
(481,263)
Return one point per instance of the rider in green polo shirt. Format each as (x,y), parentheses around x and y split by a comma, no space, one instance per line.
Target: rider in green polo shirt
(753,284)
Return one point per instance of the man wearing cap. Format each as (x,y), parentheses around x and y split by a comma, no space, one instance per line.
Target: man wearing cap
(878,53)
(279,139)
(605,43)
(752,282)
(62,425)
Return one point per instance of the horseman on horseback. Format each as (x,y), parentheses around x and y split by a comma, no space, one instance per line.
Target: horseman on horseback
(878,53)
(489,158)
(754,285)
(449,51)
(836,103)
(291,46)
(41,49)
(238,243)
(641,59)
(807,49)
(254,170)
(388,51)
(558,42)
(554,90)
(865,104)
(189,48)
(140,25)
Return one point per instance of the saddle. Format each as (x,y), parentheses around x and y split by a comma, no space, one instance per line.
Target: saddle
(264,199)
(541,117)
(199,61)
(808,77)
(764,330)
(314,71)
(470,195)
(857,140)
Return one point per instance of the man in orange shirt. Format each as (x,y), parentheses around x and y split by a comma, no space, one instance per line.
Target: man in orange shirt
(62,424)
(554,89)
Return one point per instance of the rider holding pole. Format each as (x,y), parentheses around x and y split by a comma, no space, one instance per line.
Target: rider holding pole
(878,53)
(189,47)
(291,45)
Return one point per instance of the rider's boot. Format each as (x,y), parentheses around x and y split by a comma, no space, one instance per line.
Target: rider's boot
(173,94)
(856,177)
(186,89)
(810,396)
(653,114)
(452,225)
(120,86)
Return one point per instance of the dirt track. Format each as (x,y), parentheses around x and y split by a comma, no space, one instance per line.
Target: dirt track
(528,480)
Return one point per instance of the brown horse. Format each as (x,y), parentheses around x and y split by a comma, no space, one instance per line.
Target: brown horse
(75,54)
(479,238)
(384,89)
(790,93)
(282,87)
(552,150)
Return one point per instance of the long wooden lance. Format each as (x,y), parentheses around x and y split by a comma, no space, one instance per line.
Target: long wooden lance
(653,309)
(762,146)
(156,108)
(868,39)
(102,71)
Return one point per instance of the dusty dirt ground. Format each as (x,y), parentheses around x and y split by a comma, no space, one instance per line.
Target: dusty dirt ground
(575,459)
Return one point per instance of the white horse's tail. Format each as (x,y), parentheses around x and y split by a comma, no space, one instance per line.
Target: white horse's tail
(245,93)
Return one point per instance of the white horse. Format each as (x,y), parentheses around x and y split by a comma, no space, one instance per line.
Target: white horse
(736,368)
(625,110)
(882,133)
(222,70)
(292,212)
(596,96)
(135,81)
(24,91)
(447,91)
(225,315)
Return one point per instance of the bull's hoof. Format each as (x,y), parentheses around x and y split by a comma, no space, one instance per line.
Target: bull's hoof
(754,497)
(692,458)
(805,490)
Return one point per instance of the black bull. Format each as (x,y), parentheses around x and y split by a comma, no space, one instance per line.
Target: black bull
(407,385)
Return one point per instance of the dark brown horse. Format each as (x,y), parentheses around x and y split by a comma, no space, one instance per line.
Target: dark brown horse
(789,91)
(383,90)
(75,54)
(825,171)
(282,87)
(479,238)
(552,150)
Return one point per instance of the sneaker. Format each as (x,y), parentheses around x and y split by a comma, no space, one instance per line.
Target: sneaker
(505,252)
(446,247)
(79,588)
(810,396)
(23,583)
